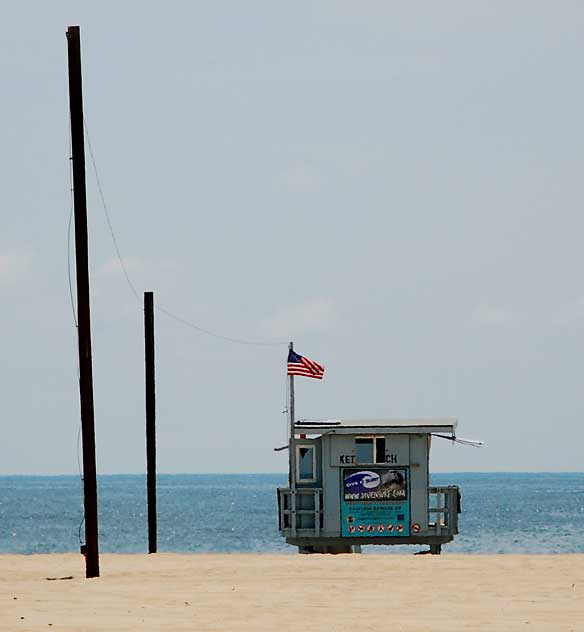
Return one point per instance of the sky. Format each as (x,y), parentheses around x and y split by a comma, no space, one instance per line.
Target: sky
(396,187)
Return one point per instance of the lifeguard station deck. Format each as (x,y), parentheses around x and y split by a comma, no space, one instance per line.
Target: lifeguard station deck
(356,482)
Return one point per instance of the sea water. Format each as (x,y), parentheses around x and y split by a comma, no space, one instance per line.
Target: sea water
(502,513)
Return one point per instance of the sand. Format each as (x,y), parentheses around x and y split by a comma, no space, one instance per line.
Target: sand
(294,592)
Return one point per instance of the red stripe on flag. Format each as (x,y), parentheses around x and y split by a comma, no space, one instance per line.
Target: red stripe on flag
(306,368)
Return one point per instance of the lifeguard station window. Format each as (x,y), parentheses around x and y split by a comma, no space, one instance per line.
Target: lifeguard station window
(305,464)
(370,449)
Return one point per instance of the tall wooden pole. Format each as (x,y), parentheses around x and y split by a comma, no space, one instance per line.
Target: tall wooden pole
(291,448)
(150,418)
(83,309)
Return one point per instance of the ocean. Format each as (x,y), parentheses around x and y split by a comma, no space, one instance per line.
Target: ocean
(237,513)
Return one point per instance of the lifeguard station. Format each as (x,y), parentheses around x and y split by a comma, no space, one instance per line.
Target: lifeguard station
(356,482)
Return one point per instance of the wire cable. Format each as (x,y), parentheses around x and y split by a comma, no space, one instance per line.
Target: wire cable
(69,231)
(80,527)
(107,215)
(175,317)
(69,268)
(81,479)
(71,191)
(239,341)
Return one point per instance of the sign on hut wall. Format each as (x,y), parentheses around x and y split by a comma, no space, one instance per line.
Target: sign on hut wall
(375,502)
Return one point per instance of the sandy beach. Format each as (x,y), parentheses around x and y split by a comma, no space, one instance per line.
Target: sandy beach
(294,592)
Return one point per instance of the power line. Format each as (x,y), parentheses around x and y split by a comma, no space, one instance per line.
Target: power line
(69,232)
(107,215)
(240,341)
(184,321)
(70,223)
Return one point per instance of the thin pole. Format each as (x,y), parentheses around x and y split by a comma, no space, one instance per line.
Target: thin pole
(150,418)
(83,307)
(291,448)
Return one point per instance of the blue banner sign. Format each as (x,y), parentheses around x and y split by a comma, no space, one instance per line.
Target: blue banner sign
(375,502)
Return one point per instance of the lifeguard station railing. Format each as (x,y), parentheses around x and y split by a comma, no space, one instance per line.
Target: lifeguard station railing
(300,512)
(301,515)
(443,510)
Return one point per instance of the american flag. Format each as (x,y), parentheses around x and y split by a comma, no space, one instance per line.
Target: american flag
(299,365)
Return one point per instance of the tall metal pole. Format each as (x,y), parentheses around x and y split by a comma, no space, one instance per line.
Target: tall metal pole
(83,309)
(291,448)
(150,418)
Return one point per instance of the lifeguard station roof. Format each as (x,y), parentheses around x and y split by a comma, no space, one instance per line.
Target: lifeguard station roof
(361,426)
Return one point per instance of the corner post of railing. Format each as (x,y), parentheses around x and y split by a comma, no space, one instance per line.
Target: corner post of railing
(293,511)
(317,512)
(454,509)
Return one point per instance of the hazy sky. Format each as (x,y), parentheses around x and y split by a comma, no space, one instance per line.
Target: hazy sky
(397,187)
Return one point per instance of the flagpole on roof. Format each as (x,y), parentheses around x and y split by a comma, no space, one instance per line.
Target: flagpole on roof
(291,449)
